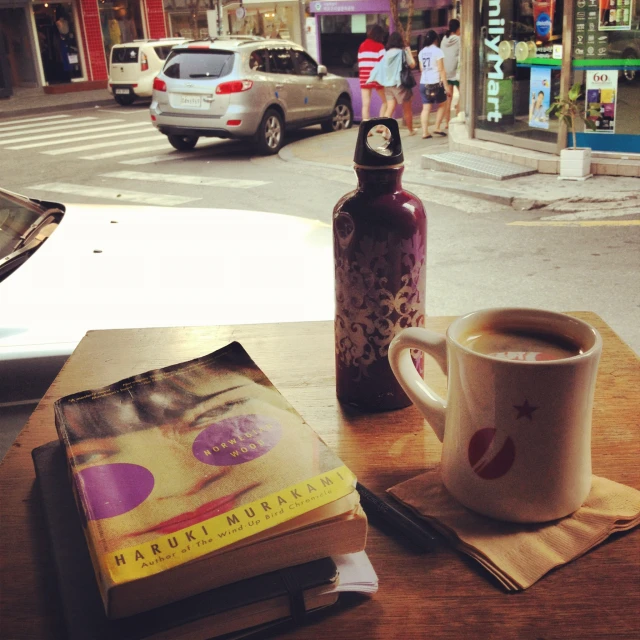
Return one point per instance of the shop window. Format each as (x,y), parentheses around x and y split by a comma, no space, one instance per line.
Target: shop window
(58,41)
(187,19)
(305,63)
(266,20)
(520,58)
(606,62)
(340,37)
(120,21)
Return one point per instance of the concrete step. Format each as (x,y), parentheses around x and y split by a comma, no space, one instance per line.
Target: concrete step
(467,164)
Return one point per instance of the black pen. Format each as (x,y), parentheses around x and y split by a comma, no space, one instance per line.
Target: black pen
(415,532)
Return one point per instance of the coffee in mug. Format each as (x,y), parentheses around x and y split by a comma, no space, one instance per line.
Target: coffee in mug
(513,344)
(516,423)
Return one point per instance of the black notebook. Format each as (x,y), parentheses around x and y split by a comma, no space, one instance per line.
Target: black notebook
(235,610)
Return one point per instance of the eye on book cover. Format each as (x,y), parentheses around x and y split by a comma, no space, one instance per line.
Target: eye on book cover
(176,463)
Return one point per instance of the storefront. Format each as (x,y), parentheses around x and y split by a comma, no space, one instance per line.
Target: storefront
(527,52)
(338,27)
(186,19)
(274,19)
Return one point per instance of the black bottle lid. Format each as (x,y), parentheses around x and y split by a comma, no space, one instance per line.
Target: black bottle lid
(370,152)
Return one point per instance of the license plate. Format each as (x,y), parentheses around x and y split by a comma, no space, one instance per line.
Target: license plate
(191,101)
(123,92)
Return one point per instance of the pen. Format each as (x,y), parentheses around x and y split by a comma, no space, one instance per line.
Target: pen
(374,507)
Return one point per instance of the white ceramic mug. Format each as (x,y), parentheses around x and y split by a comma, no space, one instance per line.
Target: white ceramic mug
(516,430)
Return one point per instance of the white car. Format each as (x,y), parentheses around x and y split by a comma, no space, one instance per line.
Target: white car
(134,65)
(65,270)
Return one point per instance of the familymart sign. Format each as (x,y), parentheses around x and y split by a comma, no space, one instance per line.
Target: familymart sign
(494,21)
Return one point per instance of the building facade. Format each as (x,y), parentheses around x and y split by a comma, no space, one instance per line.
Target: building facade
(65,45)
(524,53)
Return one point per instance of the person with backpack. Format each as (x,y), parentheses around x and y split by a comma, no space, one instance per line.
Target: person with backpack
(388,73)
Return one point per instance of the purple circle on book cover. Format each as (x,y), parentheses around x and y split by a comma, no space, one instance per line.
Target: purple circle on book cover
(113,489)
(236,440)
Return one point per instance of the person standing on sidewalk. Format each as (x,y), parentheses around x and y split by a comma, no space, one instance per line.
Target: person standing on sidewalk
(371,51)
(432,83)
(450,46)
(388,73)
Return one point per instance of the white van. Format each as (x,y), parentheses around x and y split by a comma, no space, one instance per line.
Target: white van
(134,65)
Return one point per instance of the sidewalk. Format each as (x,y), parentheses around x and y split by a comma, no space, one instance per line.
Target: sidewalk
(27,102)
(536,191)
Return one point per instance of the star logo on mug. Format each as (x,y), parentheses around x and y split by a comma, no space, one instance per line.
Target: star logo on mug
(525,410)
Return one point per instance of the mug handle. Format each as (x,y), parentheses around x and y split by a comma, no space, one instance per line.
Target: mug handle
(432,406)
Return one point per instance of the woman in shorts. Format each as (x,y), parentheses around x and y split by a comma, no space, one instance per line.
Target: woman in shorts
(433,84)
(371,51)
(387,73)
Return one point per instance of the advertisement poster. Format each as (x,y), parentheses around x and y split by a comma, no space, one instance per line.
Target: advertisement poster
(540,98)
(600,105)
(615,15)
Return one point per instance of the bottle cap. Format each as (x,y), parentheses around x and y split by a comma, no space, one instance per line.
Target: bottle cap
(370,152)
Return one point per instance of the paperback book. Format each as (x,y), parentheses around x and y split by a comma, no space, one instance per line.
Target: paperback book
(280,598)
(197,475)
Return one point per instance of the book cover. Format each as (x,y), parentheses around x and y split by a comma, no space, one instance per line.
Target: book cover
(245,605)
(179,463)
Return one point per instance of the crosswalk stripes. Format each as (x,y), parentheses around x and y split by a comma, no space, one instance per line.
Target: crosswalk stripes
(134,150)
(9,123)
(171,178)
(87,147)
(120,195)
(111,132)
(205,149)
(63,126)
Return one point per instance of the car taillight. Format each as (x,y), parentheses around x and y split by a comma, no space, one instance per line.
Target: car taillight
(144,64)
(235,86)
(159,85)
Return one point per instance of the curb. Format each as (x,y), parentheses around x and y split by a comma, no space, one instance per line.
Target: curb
(32,111)
(483,193)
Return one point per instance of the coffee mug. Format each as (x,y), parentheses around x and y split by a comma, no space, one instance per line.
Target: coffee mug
(516,424)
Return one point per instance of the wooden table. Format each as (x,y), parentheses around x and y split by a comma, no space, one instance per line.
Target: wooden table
(435,595)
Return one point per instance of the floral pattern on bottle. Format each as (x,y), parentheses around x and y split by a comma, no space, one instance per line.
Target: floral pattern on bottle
(369,310)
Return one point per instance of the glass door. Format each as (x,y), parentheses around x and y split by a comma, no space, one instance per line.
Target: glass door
(58,41)
(520,60)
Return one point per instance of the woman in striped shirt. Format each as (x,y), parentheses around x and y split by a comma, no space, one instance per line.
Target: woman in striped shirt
(371,51)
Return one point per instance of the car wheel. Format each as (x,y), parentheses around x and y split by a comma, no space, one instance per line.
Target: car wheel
(183,143)
(125,101)
(270,134)
(341,117)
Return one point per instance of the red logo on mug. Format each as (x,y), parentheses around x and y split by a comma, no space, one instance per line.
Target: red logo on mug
(491,455)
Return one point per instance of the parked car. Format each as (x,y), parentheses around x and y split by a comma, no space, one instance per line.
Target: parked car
(65,270)
(134,65)
(245,88)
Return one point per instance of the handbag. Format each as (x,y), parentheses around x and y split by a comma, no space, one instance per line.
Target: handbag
(406,77)
(436,93)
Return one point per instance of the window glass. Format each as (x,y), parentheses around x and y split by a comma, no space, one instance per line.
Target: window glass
(198,64)
(280,61)
(163,51)
(120,21)
(122,55)
(258,60)
(306,65)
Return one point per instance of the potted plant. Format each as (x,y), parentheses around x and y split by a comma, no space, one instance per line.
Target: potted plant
(575,162)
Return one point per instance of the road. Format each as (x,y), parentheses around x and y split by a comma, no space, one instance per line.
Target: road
(478,256)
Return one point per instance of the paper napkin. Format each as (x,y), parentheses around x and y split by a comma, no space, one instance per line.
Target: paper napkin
(518,555)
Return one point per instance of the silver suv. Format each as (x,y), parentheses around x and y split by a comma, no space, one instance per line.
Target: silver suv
(233,87)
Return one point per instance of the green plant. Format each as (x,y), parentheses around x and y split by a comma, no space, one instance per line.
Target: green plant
(568,110)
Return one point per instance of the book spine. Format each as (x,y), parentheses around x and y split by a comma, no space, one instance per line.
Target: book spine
(81,502)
